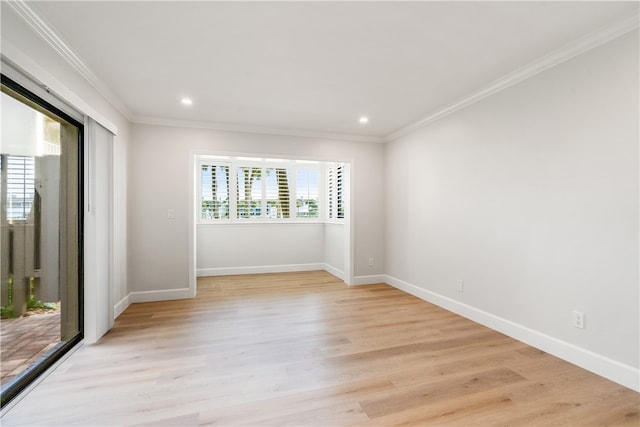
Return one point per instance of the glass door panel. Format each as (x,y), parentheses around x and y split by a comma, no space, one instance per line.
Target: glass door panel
(40,236)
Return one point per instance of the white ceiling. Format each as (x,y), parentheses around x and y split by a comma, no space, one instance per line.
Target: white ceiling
(311,67)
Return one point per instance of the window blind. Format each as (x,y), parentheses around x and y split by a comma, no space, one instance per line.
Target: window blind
(21,185)
(249,192)
(214,197)
(331,192)
(238,189)
(340,191)
(277,193)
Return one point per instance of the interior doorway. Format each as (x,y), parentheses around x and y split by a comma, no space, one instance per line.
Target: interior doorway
(300,216)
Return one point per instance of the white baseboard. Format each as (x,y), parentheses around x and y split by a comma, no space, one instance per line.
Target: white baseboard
(121,306)
(163,295)
(369,280)
(228,271)
(613,370)
(332,270)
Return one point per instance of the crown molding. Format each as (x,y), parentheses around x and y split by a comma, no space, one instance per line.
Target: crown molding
(49,35)
(228,127)
(23,69)
(566,52)
(575,48)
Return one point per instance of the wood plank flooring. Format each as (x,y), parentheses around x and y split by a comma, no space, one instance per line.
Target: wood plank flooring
(303,349)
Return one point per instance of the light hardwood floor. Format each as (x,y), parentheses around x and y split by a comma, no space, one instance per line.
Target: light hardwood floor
(305,349)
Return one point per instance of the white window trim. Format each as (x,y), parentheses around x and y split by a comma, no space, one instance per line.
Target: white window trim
(292,166)
(332,218)
(203,161)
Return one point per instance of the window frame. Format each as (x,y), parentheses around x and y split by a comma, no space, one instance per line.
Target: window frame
(290,189)
(335,196)
(27,95)
(202,162)
(236,162)
(304,165)
(233,196)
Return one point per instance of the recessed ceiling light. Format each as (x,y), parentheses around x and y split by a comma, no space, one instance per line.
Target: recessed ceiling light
(364,120)
(186,101)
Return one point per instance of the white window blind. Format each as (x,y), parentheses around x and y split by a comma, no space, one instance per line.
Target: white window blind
(278,193)
(246,189)
(214,194)
(21,185)
(335,191)
(331,192)
(249,192)
(340,191)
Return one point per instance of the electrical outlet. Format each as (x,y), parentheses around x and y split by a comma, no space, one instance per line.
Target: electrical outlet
(371,262)
(578,319)
(460,286)
(171,214)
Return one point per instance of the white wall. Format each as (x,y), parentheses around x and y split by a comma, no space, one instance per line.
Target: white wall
(160,180)
(334,248)
(531,198)
(22,46)
(252,248)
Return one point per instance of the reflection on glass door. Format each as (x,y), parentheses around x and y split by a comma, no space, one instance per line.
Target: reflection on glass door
(40,236)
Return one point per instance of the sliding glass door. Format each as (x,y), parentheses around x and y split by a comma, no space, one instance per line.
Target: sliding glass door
(40,236)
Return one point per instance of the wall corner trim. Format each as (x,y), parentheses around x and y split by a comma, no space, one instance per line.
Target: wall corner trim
(334,271)
(159,295)
(613,370)
(121,306)
(369,280)
(258,269)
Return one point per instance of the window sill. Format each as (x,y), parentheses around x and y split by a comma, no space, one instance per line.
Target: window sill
(253,223)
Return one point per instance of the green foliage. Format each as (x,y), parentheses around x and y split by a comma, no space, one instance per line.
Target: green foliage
(307,208)
(7,312)
(33,304)
(10,292)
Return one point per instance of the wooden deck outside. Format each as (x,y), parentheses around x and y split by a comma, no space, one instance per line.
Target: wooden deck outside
(305,349)
(24,340)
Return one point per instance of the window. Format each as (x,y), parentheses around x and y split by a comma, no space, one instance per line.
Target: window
(278,200)
(331,192)
(20,186)
(248,189)
(340,191)
(335,191)
(307,192)
(239,189)
(214,191)
(249,192)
